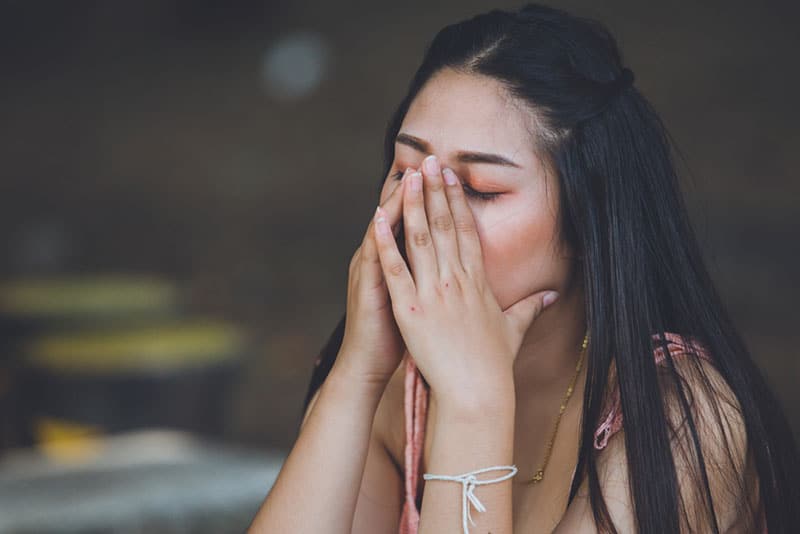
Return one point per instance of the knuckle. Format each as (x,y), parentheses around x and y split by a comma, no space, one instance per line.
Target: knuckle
(447,285)
(421,238)
(435,185)
(464,226)
(396,269)
(443,223)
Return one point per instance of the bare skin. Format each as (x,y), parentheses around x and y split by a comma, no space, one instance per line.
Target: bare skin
(454,117)
(359,414)
(522,255)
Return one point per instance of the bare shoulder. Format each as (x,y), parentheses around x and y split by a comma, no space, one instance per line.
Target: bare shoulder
(721,432)
(713,406)
(719,426)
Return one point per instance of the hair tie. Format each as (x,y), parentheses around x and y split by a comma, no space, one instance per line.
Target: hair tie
(623,81)
(612,90)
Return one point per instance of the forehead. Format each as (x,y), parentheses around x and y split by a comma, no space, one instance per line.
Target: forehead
(457,111)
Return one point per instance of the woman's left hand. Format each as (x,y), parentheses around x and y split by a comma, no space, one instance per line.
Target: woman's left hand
(461,340)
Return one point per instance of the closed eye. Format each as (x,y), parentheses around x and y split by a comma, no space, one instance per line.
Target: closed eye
(480,195)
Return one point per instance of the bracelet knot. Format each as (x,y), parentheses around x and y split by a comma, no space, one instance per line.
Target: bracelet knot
(468,484)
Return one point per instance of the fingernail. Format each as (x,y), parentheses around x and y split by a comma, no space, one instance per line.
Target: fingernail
(431,164)
(449,177)
(549,298)
(416,182)
(380,222)
(406,173)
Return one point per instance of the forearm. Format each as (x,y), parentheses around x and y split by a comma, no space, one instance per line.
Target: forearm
(465,440)
(317,487)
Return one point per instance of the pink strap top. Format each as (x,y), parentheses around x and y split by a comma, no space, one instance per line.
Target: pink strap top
(416,408)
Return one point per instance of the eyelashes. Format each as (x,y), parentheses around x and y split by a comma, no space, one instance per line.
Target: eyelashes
(483,197)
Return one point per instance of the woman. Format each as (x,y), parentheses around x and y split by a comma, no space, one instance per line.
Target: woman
(544,253)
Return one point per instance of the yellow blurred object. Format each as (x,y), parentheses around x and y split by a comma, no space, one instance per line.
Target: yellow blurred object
(86,295)
(178,345)
(67,441)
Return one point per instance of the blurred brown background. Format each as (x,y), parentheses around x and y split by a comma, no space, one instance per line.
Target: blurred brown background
(235,149)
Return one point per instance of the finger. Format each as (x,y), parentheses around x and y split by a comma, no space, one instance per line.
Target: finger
(469,243)
(393,205)
(395,271)
(440,220)
(370,268)
(524,312)
(421,256)
(394,212)
(355,261)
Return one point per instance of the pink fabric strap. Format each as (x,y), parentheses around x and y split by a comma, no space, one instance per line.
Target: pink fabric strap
(415,406)
(677,346)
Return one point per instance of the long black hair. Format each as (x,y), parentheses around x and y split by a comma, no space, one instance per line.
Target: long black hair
(622,211)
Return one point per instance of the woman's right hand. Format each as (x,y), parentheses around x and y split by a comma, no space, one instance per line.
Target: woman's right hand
(372,346)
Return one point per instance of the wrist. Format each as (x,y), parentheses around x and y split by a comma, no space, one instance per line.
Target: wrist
(354,382)
(480,401)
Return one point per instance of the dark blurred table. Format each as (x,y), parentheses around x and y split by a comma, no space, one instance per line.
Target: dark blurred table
(156,481)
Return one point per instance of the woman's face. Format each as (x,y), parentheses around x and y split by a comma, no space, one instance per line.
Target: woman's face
(475,129)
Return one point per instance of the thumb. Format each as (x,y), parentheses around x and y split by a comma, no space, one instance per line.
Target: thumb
(523,313)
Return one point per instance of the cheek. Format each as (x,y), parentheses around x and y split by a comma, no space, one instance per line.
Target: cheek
(518,251)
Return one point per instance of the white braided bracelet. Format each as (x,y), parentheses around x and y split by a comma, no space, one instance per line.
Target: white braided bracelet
(468,483)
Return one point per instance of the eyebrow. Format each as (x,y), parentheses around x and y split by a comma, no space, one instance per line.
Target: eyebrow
(462,156)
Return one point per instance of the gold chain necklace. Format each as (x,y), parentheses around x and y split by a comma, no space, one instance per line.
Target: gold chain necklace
(540,473)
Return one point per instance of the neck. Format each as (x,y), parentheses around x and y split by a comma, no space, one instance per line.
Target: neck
(550,349)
